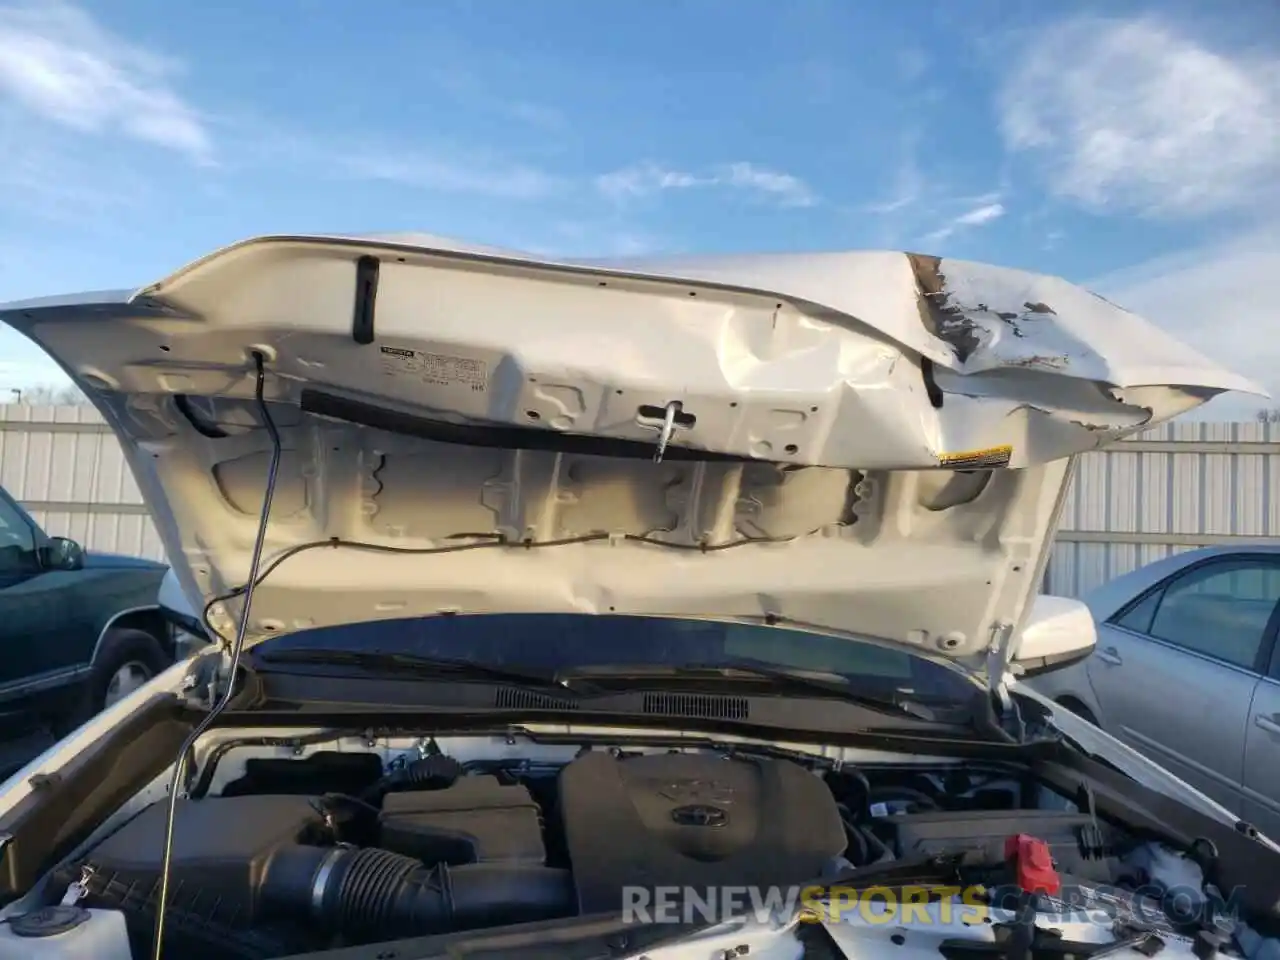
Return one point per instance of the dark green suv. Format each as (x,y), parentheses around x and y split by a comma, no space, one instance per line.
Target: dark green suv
(78,630)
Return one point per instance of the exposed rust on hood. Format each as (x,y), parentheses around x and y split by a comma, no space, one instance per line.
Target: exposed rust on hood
(1006,316)
(1047,361)
(940,318)
(1095,427)
(951,324)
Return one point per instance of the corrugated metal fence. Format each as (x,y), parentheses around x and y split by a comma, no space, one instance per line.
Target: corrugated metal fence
(64,465)
(1181,486)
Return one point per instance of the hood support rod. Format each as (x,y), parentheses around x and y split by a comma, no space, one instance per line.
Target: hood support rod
(237,648)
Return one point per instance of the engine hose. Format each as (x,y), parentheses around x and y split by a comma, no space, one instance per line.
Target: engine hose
(373,891)
(432,773)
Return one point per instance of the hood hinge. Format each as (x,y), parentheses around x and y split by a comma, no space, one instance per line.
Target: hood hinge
(999,673)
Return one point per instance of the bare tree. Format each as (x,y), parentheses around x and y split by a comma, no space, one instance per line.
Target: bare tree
(1268,416)
(47,395)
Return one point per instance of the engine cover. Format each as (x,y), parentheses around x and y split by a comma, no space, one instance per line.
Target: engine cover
(683,820)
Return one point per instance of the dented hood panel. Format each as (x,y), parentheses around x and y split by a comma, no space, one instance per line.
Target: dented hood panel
(866,443)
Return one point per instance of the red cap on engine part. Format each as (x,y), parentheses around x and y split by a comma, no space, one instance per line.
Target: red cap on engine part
(1032,864)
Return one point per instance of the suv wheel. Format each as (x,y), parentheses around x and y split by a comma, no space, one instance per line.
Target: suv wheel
(127,660)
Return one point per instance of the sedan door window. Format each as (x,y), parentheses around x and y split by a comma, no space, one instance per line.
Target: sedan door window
(1139,616)
(1221,610)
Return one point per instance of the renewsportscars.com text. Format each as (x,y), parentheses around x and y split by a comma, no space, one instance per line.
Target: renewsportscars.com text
(907,905)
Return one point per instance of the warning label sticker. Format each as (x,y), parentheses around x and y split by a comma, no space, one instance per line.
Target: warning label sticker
(989,457)
(436,369)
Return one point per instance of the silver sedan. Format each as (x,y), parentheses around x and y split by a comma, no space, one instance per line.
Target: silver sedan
(1187,671)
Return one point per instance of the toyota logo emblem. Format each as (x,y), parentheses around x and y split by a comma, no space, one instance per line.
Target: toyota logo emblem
(700,815)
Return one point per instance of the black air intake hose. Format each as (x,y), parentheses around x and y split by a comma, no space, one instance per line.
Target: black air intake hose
(366,891)
(434,772)
(427,773)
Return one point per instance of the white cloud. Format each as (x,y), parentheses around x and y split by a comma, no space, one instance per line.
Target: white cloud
(918,200)
(455,175)
(56,62)
(257,143)
(978,216)
(1136,115)
(1217,299)
(786,189)
(39,180)
(908,184)
(991,198)
(646,178)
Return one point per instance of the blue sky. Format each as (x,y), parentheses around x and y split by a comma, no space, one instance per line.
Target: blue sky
(1134,148)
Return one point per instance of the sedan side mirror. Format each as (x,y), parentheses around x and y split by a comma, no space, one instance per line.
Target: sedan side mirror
(1059,632)
(60,553)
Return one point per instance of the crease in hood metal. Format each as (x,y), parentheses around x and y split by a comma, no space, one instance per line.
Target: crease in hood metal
(872,443)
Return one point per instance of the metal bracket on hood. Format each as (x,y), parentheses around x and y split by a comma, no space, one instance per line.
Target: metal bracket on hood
(999,657)
(672,409)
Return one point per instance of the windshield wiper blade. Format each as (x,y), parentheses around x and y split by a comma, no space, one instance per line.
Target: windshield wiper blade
(890,702)
(413,664)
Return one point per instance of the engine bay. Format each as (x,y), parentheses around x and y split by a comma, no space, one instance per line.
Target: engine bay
(280,852)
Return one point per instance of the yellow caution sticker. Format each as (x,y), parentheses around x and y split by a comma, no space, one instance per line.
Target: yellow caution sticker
(977,459)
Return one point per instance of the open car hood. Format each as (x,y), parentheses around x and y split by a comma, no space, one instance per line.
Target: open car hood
(875,444)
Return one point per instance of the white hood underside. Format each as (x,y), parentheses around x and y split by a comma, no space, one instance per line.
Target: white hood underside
(898,430)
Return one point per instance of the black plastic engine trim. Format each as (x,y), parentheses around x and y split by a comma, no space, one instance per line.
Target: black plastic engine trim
(64,809)
(1244,864)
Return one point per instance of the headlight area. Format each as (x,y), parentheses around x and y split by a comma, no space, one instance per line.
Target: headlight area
(291,842)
